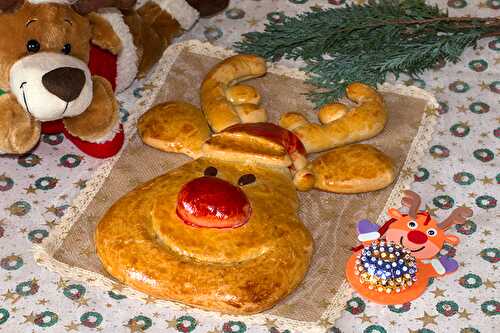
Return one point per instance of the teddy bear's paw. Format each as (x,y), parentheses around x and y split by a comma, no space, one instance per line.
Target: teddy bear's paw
(19,132)
(100,119)
(353,169)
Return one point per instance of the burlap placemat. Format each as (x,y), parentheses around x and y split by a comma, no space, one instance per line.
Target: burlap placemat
(331,218)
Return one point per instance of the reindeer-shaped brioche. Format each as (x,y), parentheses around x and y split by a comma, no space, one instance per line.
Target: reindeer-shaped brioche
(418,232)
(221,232)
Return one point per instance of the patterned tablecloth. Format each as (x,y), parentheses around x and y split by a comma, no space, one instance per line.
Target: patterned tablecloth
(461,169)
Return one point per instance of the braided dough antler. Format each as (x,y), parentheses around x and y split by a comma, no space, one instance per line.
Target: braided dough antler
(224,101)
(458,216)
(412,201)
(339,125)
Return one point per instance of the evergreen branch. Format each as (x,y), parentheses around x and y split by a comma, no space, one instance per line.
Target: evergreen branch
(367,42)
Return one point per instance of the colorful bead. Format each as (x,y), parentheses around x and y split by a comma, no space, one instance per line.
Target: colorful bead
(386,267)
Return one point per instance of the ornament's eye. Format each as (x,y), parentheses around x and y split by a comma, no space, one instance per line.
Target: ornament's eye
(66,49)
(412,225)
(246,179)
(431,232)
(33,46)
(210,171)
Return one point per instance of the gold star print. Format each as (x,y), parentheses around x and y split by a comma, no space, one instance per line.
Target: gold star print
(13,309)
(482,241)
(473,300)
(365,318)
(71,326)
(133,326)
(117,287)
(486,232)
(156,314)
(464,206)
(431,111)
(13,297)
(61,284)
(438,90)
(484,86)
(29,318)
(472,194)
(412,331)
(30,189)
(427,319)
(270,323)
(316,7)
(172,323)
(489,284)
(464,314)
(81,183)
(252,22)
(23,230)
(407,173)
(486,181)
(8,277)
(431,211)
(51,224)
(438,186)
(63,197)
(462,109)
(392,323)
(438,292)
(325,323)
(83,301)
(42,301)
(52,209)
(149,300)
(215,330)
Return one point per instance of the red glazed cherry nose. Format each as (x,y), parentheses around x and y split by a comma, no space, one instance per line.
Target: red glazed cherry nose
(214,203)
(417,237)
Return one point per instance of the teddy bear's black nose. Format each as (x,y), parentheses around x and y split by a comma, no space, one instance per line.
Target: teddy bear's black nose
(65,82)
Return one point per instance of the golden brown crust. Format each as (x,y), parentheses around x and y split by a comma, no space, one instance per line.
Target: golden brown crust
(240,271)
(340,128)
(19,132)
(176,127)
(219,88)
(100,118)
(353,169)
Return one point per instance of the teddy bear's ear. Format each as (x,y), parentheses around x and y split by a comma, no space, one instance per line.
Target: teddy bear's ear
(10,5)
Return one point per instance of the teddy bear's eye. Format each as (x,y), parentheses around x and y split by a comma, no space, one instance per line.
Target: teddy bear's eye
(33,46)
(66,49)
(246,179)
(210,171)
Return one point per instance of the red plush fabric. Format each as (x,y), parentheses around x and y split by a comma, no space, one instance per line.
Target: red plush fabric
(102,63)
(99,150)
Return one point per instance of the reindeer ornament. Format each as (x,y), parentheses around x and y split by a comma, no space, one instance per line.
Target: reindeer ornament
(396,261)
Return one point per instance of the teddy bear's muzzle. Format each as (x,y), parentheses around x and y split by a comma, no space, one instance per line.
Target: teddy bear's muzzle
(51,86)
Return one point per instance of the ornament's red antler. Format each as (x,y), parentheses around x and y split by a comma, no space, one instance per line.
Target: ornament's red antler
(412,201)
(458,216)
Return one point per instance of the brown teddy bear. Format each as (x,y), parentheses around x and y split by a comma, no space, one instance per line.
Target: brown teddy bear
(62,60)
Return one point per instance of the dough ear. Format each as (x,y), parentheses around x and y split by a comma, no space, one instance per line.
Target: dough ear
(339,125)
(176,127)
(19,132)
(355,168)
(103,34)
(97,123)
(224,102)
